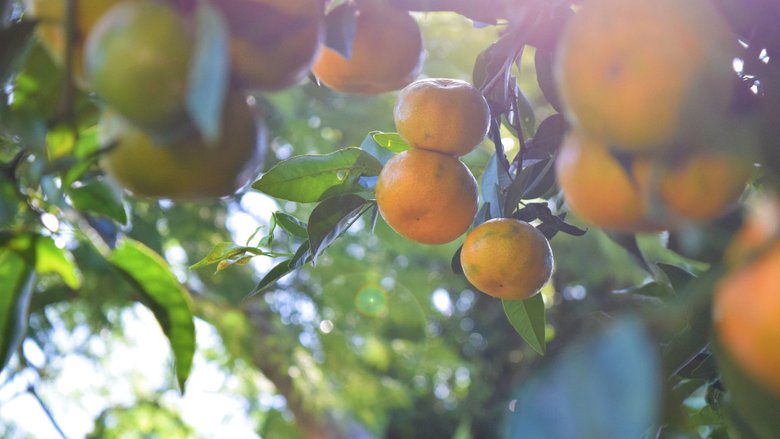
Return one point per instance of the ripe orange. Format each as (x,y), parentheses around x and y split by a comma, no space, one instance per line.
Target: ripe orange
(747,301)
(51,27)
(387,53)
(507,258)
(187,168)
(698,187)
(597,188)
(426,196)
(444,115)
(137,59)
(273,42)
(638,73)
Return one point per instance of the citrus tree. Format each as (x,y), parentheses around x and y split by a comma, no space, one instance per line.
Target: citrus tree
(533,218)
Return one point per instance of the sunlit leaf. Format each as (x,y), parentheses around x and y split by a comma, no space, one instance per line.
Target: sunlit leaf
(390,141)
(51,259)
(16,287)
(291,224)
(98,197)
(310,178)
(164,295)
(527,317)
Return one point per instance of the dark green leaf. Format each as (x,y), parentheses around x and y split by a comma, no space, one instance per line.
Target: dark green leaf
(330,219)
(291,224)
(272,276)
(525,114)
(301,256)
(532,182)
(15,40)
(98,197)
(608,386)
(374,217)
(629,244)
(310,178)
(208,76)
(678,277)
(164,295)
(340,28)
(703,366)
(543,61)
(16,286)
(547,140)
(527,317)
(457,268)
(653,289)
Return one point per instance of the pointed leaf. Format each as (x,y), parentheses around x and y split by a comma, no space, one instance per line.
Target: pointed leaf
(301,256)
(390,141)
(208,76)
(98,197)
(543,61)
(51,259)
(291,224)
(224,251)
(372,147)
(548,138)
(16,286)
(678,277)
(527,317)
(310,178)
(457,268)
(164,295)
(274,274)
(331,218)
(608,386)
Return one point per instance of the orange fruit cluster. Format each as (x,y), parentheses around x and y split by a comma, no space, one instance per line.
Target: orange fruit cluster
(138,56)
(426,193)
(642,85)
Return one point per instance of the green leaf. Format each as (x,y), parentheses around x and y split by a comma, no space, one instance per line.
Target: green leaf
(51,259)
(16,286)
(226,251)
(291,224)
(164,295)
(301,256)
(455,264)
(532,182)
(208,75)
(392,142)
(98,197)
(678,277)
(526,114)
(653,289)
(330,219)
(15,40)
(372,147)
(543,62)
(608,386)
(311,178)
(527,317)
(272,276)
(547,140)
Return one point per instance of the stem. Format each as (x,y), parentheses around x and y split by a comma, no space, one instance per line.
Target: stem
(48,412)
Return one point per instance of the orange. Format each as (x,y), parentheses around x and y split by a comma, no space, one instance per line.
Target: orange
(187,168)
(698,187)
(51,27)
(597,188)
(444,115)
(747,302)
(137,58)
(426,196)
(507,258)
(387,53)
(272,42)
(645,75)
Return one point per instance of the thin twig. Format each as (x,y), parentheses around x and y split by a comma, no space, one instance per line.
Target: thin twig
(46,410)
